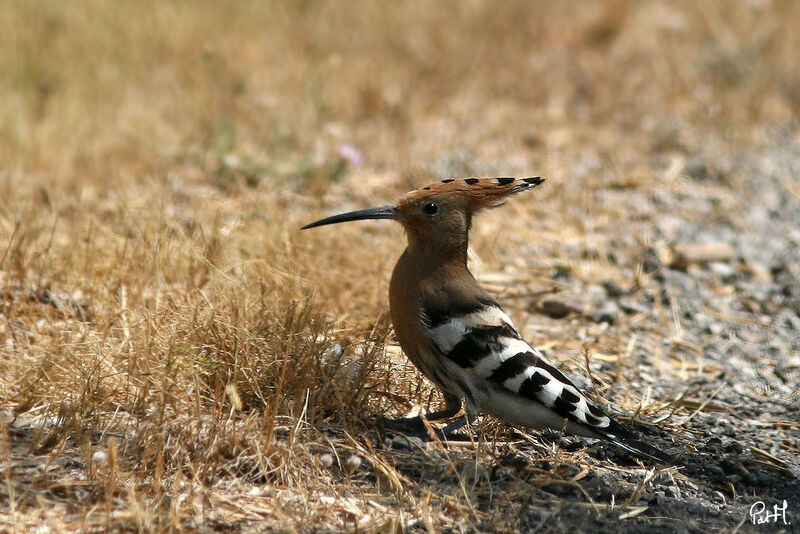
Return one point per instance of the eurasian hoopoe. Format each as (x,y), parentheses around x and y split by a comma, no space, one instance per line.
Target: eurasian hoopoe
(459,336)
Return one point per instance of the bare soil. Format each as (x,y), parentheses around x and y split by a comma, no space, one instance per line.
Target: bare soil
(176,355)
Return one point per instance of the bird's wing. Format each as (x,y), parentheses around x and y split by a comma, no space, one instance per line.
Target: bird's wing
(483,342)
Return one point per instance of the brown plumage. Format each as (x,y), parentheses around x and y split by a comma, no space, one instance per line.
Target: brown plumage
(479,192)
(459,337)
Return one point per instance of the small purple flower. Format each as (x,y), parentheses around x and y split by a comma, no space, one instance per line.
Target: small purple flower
(351,154)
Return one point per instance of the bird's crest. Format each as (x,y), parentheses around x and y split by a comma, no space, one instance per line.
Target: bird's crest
(478,192)
(481,192)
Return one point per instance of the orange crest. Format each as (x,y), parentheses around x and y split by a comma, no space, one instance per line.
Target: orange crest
(477,192)
(481,192)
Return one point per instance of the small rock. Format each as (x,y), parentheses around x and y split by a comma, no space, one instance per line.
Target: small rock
(607,314)
(651,261)
(717,472)
(594,294)
(100,457)
(562,273)
(556,309)
(714,329)
(698,169)
(689,253)
(613,289)
(725,271)
(352,463)
(728,466)
(404,442)
(630,306)
(724,422)
(596,330)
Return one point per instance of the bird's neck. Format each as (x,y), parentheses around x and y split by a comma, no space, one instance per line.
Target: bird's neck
(432,254)
(424,269)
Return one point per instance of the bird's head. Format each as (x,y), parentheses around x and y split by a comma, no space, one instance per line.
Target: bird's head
(438,216)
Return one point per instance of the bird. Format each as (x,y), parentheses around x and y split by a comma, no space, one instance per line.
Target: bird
(458,335)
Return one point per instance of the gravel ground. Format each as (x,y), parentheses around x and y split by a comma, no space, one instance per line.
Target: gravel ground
(717,311)
(696,326)
(176,353)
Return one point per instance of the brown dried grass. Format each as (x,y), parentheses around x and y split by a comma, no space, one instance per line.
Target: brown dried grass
(175,353)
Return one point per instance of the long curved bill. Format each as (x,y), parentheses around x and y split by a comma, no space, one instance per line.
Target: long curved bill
(384,212)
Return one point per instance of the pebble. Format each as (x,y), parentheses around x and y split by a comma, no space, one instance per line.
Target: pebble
(556,309)
(100,457)
(613,289)
(403,442)
(714,329)
(724,270)
(631,306)
(716,471)
(352,463)
(688,253)
(607,314)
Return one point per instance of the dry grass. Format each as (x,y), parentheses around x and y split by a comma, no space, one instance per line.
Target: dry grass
(175,353)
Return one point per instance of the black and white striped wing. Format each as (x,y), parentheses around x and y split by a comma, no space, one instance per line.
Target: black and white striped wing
(488,349)
(486,346)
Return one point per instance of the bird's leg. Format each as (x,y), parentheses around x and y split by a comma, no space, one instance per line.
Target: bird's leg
(414,426)
(459,423)
(452,404)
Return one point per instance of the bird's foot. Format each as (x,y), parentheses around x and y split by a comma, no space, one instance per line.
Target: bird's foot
(415,427)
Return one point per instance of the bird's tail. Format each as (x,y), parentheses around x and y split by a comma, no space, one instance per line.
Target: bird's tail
(626,440)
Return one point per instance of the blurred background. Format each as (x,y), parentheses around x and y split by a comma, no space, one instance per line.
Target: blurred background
(158,157)
(303,92)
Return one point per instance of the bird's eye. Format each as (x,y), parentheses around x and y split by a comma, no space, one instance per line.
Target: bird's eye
(430,208)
